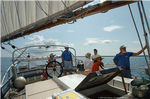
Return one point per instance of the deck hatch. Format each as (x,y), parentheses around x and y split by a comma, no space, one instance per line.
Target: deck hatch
(98,78)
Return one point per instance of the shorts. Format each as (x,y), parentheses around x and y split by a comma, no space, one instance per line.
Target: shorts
(126,73)
(67,65)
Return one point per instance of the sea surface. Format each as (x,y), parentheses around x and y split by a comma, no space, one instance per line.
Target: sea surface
(137,64)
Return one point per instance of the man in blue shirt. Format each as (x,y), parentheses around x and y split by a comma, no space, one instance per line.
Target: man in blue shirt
(122,59)
(67,60)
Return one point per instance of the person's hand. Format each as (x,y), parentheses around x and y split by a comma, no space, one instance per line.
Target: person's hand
(145,46)
(62,64)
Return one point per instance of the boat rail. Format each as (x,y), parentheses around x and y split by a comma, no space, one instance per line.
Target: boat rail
(7,72)
(6,86)
(11,73)
(40,46)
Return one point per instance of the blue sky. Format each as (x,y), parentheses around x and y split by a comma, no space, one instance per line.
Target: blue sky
(104,31)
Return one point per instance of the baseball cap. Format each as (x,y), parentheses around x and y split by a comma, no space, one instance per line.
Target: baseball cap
(123,46)
(52,54)
(66,46)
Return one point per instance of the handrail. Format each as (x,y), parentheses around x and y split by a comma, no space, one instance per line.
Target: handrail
(46,45)
(4,77)
(39,46)
(15,62)
(5,88)
(35,46)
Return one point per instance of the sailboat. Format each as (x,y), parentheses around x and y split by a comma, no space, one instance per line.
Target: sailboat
(20,18)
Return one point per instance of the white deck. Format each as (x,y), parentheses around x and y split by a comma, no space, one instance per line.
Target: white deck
(117,82)
(42,90)
(73,80)
(45,89)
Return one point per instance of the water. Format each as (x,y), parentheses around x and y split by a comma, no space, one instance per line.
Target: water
(5,63)
(137,65)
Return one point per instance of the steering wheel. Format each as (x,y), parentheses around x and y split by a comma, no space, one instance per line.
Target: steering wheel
(54,68)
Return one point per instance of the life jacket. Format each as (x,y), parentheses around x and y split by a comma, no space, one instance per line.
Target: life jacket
(96,65)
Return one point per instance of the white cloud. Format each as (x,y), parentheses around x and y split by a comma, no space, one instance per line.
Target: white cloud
(38,39)
(112,27)
(107,41)
(70,31)
(136,42)
(93,41)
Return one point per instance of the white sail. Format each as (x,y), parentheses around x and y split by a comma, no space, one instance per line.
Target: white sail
(20,16)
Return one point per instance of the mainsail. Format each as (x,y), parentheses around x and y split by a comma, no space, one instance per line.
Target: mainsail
(20,18)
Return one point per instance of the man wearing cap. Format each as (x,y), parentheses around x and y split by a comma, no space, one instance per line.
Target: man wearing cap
(67,60)
(95,55)
(122,59)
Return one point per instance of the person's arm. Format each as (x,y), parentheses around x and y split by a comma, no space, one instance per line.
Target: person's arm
(93,58)
(62,61)
(102,64)
(139,52)
(92,69)
(62,58)
(115,62)
(55,61)
(115,59)
(71,60)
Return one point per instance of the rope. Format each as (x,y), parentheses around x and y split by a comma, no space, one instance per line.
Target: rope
(65,5)
(39,5)
(138,34)
(72,18)
(90,8)
(145,34)
(145,17)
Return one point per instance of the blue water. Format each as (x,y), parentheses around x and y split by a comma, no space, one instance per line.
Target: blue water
(137,65)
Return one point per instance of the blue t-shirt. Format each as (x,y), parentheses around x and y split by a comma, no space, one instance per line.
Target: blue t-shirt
(66,55)
(123,60)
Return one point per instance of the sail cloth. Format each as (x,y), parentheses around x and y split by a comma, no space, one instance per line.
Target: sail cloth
(20,16)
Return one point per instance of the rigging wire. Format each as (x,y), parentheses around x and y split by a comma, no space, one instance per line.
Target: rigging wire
(145,16)
(138,35)
(17,13)
(65,5)
(9,51)
(39,5)
(145,33)
(18,51)
(68,14)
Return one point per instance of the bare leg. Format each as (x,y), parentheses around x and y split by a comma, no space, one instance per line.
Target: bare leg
(65,72)
(70,72)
